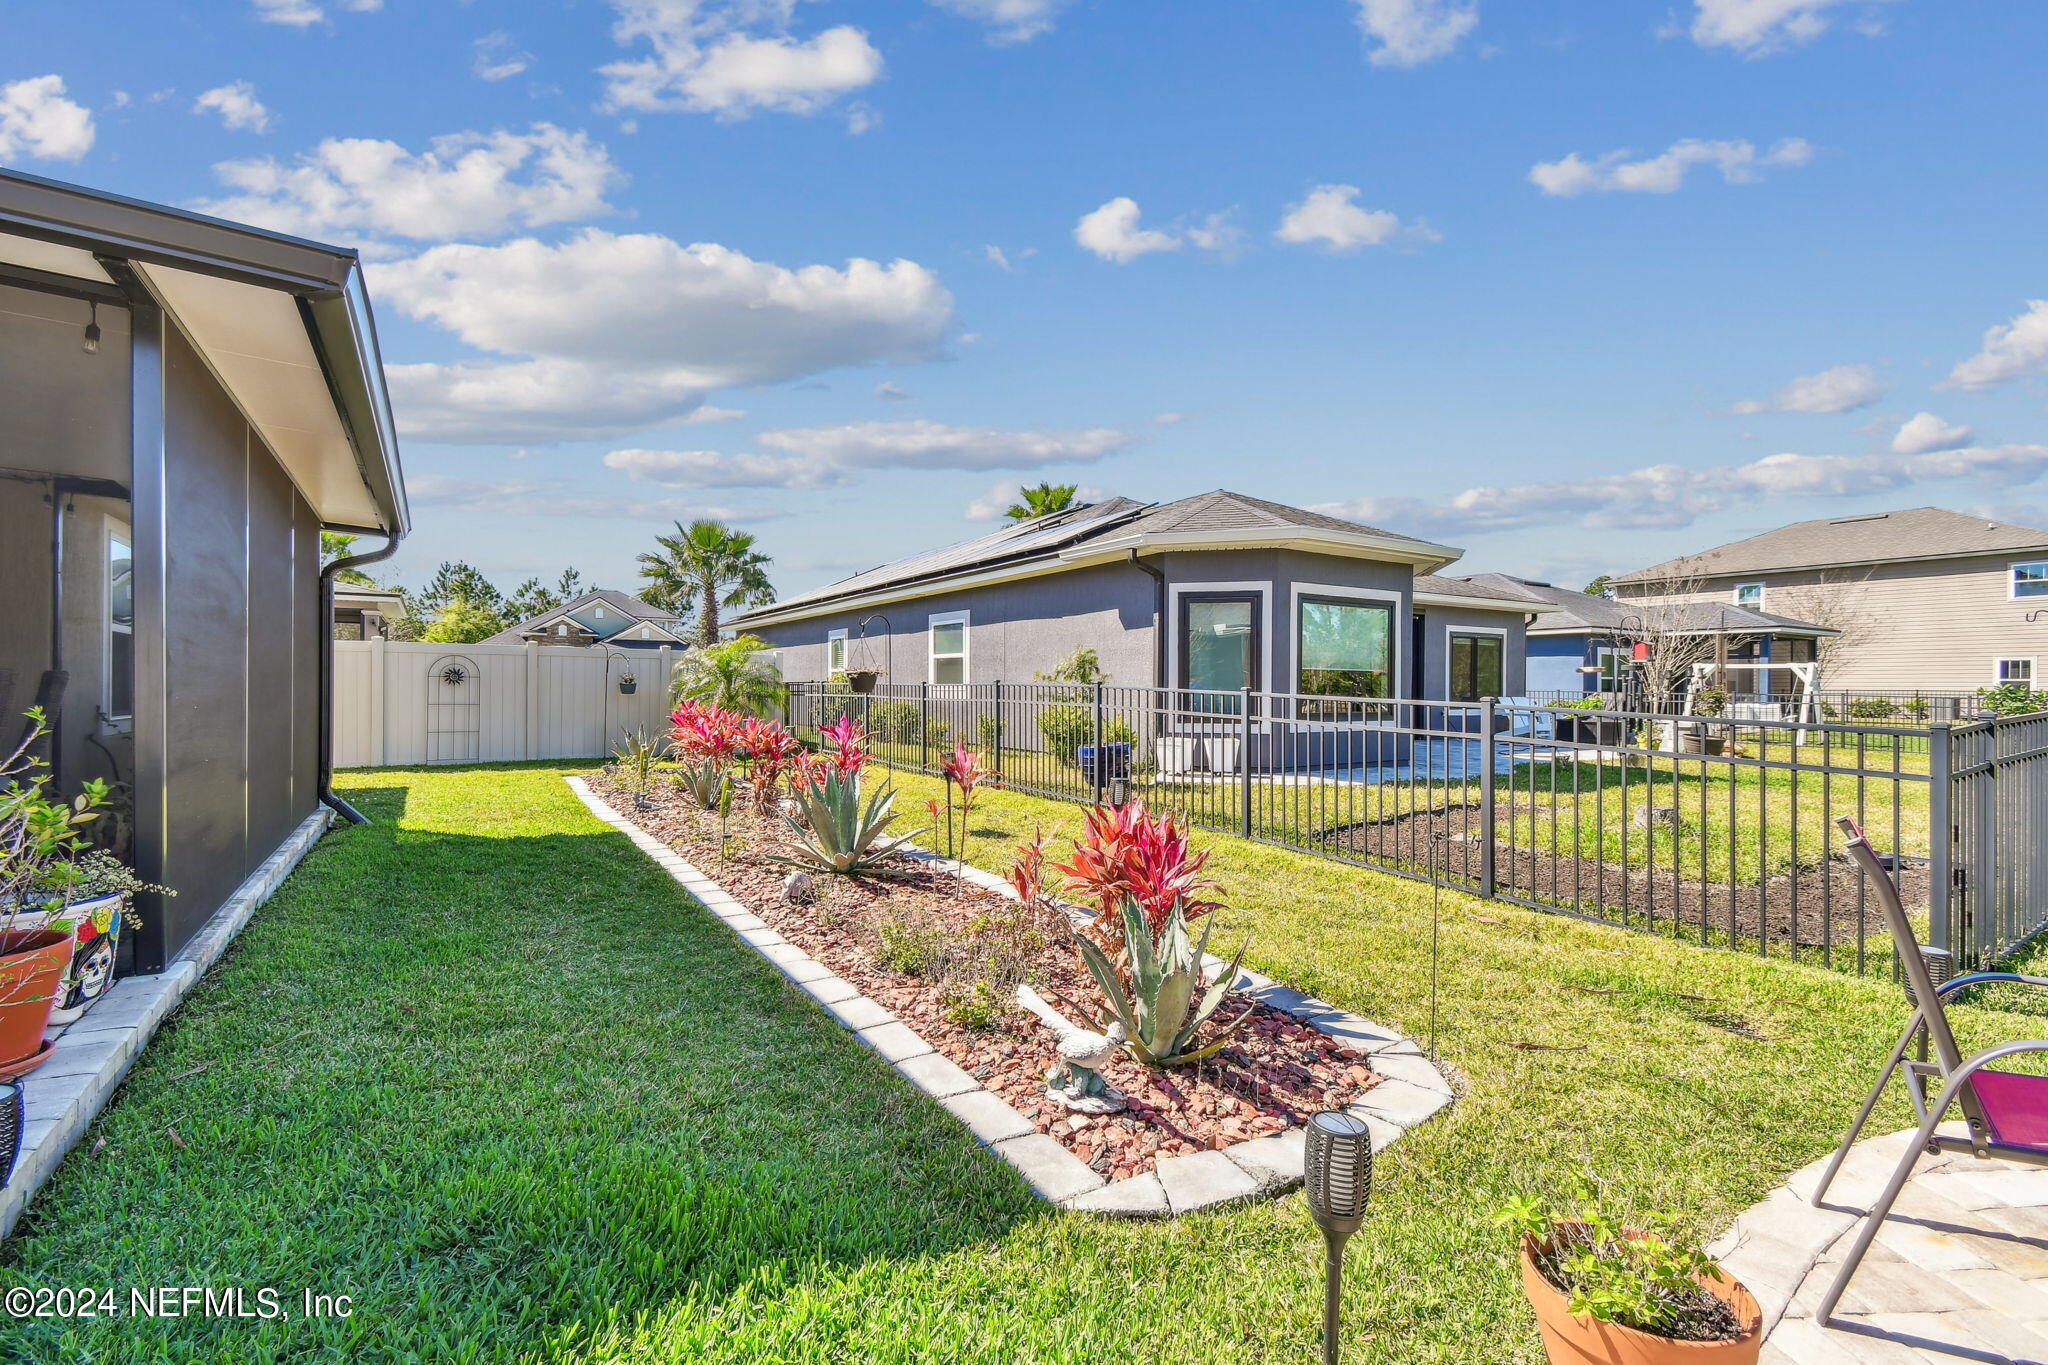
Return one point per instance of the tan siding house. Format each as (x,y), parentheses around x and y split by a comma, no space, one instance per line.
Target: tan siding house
(1928,600)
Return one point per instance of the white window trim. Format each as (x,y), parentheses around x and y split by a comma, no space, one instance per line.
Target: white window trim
(597,611)
(932,656)
(1601,653)
(1735,595)
(833,637)
(114,529)
(1396,631)
(2012,582)
(1452,628)
(1171,625)
(2032,662)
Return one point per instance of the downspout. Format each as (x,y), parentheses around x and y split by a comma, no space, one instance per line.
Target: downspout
(1158,616)
(327,795)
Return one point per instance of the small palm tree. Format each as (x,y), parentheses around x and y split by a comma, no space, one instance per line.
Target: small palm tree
(730,675)
(1042,500)
(707,565)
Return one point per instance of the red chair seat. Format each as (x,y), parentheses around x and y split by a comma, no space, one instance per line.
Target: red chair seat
(2015,1106)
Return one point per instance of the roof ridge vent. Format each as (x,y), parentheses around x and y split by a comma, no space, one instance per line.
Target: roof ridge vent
(1867,516)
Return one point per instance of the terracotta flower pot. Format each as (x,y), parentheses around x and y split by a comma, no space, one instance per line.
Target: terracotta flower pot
(32,965)
(1570,1339)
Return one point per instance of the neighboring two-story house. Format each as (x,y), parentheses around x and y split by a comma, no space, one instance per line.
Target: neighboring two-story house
(598,617)
(1220,591)
(1923,600)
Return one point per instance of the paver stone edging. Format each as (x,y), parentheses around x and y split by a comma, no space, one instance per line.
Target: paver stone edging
(1413,1091)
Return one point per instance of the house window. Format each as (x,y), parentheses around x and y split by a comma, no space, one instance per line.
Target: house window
(835,653)
(948,647)
(1345,647)
(561,630)
(1476,659)
(597,612)
(1750,595)
(2019,671)
(117,693)
(2030,579)
(1613,668)
(646,634)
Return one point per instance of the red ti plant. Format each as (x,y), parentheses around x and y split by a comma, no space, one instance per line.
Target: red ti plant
(1027,870)
(963,769)
(769,750)
(1124,852)
(849,741)
(705,734)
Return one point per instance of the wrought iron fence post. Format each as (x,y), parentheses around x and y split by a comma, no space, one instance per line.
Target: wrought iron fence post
(1941,836)
(996,730)
(1244,761)
(1096,765)
(1486,815)
(924,726)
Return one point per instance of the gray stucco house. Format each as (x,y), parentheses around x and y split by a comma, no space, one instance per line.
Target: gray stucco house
(1218,591)
(599,617)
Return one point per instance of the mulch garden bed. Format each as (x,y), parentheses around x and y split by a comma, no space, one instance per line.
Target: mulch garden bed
(1825,903)
(1275,1073)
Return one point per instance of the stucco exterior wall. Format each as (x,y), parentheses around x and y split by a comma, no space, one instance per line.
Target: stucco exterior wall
(1439,622)
(1932,625)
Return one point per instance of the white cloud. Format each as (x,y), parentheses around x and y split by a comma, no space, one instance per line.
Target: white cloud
(1840,389)
(1328,215)
(711,469)
(558,498)
(1757,28)
(934,445)
(611,334)
(889,391)
(237,105)
(1218,233)
(1738,161)
(464,184)
(2012,350)
(1924,432)
(37,121)
(997,500)
(1667,497)
(498,58)
(304,13)
(1168,418)
(1112,232)
(1009,21)
(1412,32)
(736,58)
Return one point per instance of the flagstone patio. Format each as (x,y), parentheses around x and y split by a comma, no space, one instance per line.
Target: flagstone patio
(1959,1273)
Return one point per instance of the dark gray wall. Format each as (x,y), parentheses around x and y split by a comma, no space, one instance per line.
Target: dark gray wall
(239,764)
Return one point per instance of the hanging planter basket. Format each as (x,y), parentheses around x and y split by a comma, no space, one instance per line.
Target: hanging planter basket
(862,680)
(628,685)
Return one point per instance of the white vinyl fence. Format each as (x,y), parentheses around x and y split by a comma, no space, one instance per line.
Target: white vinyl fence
(414,703)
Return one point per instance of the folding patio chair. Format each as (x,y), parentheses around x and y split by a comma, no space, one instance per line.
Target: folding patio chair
(2006,1112)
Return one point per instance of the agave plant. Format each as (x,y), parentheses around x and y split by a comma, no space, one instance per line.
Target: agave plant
(835,832)
(1157,1006)
(633,764)
(704,782)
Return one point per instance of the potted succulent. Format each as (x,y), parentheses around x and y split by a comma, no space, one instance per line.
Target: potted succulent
(628,684)
(39,833)
(1608,1294)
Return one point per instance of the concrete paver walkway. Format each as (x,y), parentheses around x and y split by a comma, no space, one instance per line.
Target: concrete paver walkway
(1959,1273)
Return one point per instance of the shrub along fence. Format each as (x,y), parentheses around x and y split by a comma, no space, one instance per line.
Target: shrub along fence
(1715,828)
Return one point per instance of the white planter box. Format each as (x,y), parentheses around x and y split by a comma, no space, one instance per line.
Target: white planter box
(1221,754)
(1179,754)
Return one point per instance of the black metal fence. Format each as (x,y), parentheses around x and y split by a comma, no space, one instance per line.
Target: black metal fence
(1715,828)
(1996,860)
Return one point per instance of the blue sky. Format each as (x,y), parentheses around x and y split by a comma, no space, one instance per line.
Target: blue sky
(1576,286)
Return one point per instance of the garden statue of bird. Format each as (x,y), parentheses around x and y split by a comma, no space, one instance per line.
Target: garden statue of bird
(1076,1082)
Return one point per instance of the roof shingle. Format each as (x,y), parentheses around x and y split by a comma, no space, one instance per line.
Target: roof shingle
(1874,538)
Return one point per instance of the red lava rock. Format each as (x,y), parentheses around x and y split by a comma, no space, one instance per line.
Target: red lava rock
(1276,1070)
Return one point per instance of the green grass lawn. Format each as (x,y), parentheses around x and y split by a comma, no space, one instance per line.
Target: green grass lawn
(484,1068)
